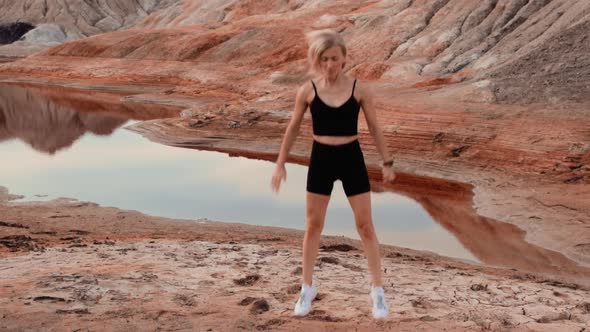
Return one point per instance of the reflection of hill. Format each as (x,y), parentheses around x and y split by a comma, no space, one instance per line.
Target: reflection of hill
(492,242)
(46,126)
(108,103)
(52,118)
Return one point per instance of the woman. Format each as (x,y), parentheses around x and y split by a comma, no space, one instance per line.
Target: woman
(335,101)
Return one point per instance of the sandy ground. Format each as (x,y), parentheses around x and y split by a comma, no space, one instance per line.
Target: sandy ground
(71,265)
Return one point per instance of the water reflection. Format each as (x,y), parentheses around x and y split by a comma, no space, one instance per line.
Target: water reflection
(46,120)
(491,241)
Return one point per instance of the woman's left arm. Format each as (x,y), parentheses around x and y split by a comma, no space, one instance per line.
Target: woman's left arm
(368,104)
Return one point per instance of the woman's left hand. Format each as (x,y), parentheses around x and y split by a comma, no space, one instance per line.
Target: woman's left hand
(388,174)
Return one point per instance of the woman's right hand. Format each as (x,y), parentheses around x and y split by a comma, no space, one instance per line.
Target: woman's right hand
(279,175)
(388,174)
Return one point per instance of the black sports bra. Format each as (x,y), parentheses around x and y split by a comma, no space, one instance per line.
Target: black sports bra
(334,121)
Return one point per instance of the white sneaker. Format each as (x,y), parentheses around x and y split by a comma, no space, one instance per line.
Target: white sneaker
(380,308)
(308,294)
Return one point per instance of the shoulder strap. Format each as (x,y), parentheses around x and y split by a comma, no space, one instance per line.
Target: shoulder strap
(314,89)
(353,85)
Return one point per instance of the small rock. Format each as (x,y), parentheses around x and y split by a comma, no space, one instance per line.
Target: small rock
(45,298)
(233,124)
(585,307)
(329,260)
(457,151)
(338,247)
(294,289)
(438,138)
(259,306)
(249,280)
(298,271)
(478,287)
(197,123)
(247,300)
(187,113)
(72,311)
(564,315)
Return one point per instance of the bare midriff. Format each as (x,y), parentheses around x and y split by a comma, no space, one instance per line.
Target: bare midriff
(335,140)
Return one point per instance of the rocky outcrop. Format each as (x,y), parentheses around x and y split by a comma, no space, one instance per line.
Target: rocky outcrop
(61,20)
(404,43)
(80,18)
(45,34)
(11,32)
(559,68)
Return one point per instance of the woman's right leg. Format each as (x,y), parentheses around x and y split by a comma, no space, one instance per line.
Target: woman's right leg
(317,205)
(316,211)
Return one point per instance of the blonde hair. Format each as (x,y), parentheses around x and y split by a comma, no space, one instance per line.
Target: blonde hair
(319,41)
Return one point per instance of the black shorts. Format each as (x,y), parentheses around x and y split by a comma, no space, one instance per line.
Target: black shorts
(329,163)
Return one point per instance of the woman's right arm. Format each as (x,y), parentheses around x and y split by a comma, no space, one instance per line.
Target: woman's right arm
(294,125)
(290,135)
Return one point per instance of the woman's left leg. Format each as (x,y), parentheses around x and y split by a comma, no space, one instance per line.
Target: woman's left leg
(356,184)
(361,206)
